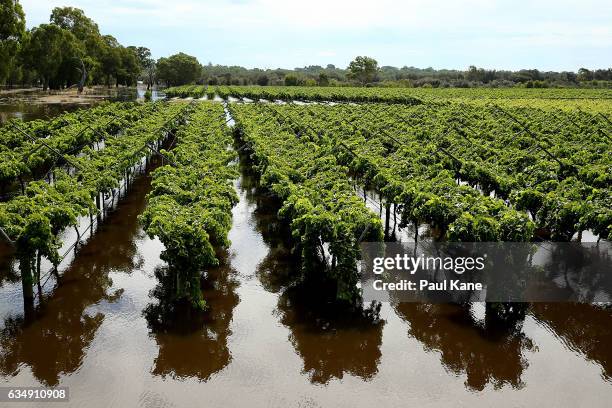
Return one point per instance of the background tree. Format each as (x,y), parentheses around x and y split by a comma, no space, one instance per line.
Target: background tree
(75,21)
(54,53)
(363,69)
(12,31)
(110,60)
(129,67)
(263,80)
(323,79)
(291,80)
(585,74)
(179,69)
(150,72)
(100,59)
(86,31)
(146,65)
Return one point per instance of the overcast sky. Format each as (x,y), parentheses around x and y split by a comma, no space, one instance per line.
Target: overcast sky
(513,34)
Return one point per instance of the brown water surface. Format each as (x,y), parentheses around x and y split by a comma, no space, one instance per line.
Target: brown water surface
(36,104)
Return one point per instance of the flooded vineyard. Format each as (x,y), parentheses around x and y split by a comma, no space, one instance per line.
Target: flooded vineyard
(36,104)
(185,221)
(107,332)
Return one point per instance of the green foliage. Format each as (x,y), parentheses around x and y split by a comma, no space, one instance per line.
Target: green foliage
(478,192)
(54,52)
(327,219)
(68,133)
(36,219)
(263,80)
(291,80)
(178,69)
(190,206)
(12,31)
(593,100)
(323,79)
(74,20)
(363,69)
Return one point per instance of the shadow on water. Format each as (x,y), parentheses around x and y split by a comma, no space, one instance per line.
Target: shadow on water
(193,344)
(8,272)
(54,341)
(280,266)
(485,354)
(331,339)
(584,328)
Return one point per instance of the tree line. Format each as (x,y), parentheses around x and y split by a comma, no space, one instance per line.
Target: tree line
(365,71)
(70,51)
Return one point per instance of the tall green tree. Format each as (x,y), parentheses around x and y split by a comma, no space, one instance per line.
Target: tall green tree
(585,74)
(363,69)
(86,32)
(110,59)
(55,54)
(12,31)
(291,80)
(129,67)
(146,64)
(179,69)
(75,21)
(142,54)
(149,72)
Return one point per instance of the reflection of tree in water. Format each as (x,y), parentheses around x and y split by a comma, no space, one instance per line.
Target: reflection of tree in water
(274,232)
(485,353)
(193,343)
(584,328)
(330,340)
(279,268)
(54,341)
(52,346)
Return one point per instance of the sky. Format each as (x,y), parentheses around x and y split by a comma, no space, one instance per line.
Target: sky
(496,34)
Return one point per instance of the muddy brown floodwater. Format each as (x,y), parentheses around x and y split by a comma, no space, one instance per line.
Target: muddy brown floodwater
(35,104)
(107,334)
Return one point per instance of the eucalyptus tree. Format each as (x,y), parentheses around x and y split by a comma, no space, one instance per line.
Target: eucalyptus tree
(146,64)
(363,69)
(54,53)
(86,31)
(12,31)
(179,69)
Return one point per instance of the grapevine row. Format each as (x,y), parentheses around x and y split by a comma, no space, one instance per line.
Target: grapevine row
(28,149)
(33,221)
(189,206)
(318,201)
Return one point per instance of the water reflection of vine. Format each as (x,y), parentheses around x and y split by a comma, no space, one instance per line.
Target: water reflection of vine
(584,328)
(177,327)
(487,353)
(331,342)
(8,272)
(53,341)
